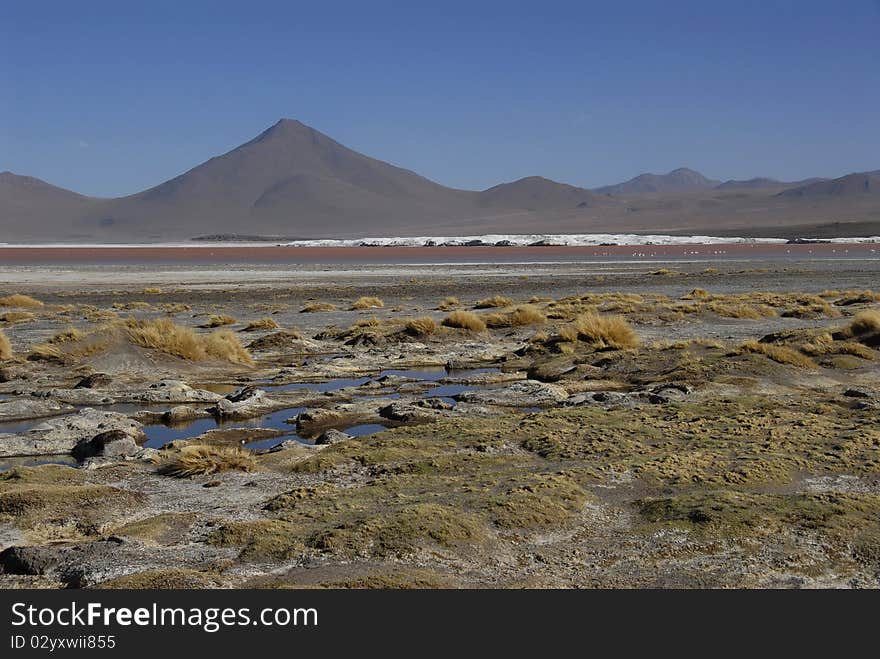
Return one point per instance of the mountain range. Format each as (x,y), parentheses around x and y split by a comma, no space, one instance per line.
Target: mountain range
(293,181)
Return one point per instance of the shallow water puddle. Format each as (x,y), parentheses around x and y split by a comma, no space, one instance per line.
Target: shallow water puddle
(221,388)
(35,461)
(424,374)
(21,426)
(329,385)
(447,390)
(364,429)
(160,434)
(157,435)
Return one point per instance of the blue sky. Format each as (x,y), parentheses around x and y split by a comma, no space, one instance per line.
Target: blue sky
(108,99)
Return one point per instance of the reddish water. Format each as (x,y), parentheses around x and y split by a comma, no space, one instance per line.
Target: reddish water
(378,255)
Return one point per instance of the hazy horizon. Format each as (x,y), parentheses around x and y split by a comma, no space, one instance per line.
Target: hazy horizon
(107,100)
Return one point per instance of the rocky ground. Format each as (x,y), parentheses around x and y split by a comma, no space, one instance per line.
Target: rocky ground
(479,426)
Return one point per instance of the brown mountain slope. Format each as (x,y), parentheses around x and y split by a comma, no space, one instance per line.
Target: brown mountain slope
(26,201)
(294,181)
(860,183)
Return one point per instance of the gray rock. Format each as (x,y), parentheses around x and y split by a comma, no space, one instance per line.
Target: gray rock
(332,437)
(551,370)
(94,381)
(246,403)
(175,391)
(673,388)
(112,444)
(182,414)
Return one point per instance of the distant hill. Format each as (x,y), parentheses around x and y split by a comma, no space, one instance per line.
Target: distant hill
(762,183)
(538,193)
(858,184)
(678,180)
(26,201)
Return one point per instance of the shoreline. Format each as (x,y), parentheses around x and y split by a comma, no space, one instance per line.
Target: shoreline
(153,254)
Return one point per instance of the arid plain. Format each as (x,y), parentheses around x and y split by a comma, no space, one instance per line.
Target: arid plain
(620,422)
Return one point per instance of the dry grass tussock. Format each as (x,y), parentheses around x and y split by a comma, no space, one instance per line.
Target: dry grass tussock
(465,320)
(824,344)
(864,322)
(220,320)
(261,324)
(848,297)
(494,302)
(424,326)
(314,307)
(22,301)
(372,321)
(779,354)
(203,460)
(160,334)
(152,290)
(132,306)
(367,303)
(174,307)
(601,331)
(696,294)
(5,346)
(69,335)
(448,303)
(163,335)
(525,314)
(17,317)
(101,316)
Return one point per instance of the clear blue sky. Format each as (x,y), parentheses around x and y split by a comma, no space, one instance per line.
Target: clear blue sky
(107,99)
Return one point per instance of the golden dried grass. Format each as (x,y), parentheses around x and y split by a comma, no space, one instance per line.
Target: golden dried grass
(220,320)
(17,317)
(464,320)
(163,335)
(22,301)
(367,302)
(779,354)
(200,460)
(525,314)
(5,346)
(424,326)
(448,303)
(601,331)
(261,324)
(493,302)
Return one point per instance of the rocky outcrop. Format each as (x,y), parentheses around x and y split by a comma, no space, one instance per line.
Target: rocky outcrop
(551,370)
(419,411)
(26,407)
(60,435)
(245,403)
(175,391)
(94,381)
(528,393)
